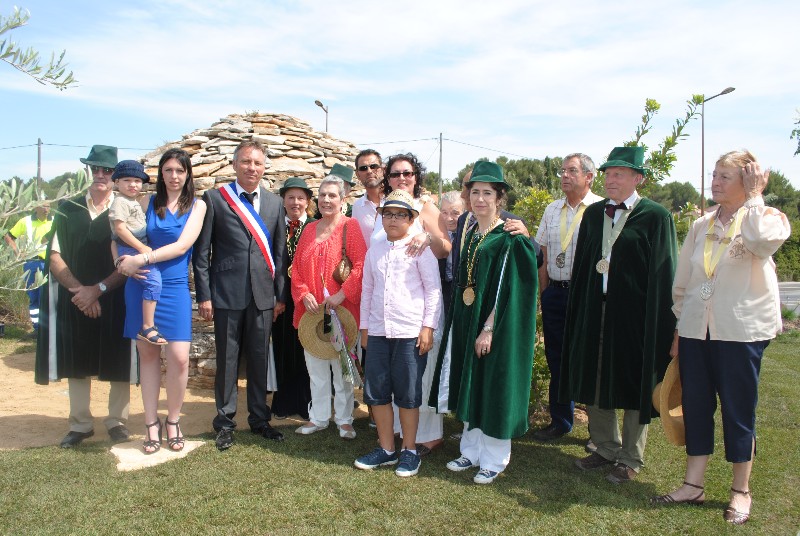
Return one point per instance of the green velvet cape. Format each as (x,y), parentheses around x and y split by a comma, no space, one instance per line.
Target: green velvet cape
(493,392)
(84,346)
(639,323)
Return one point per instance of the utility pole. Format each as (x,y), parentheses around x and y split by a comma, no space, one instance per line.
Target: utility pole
(440,168)
(39,164)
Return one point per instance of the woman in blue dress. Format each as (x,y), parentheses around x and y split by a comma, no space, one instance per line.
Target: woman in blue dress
(174,219)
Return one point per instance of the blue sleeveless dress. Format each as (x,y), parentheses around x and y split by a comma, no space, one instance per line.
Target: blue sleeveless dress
(174,308)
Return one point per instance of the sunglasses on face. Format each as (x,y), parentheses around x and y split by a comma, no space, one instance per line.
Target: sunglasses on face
(405,174)
(372,167)
(98,169)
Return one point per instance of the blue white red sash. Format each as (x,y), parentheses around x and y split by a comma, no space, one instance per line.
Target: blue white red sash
(251,220)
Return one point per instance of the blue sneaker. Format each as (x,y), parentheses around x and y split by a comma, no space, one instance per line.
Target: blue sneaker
(409,464)
(461,464)
(376,458)
(485,476)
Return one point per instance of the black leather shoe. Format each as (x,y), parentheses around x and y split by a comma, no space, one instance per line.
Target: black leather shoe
(548,434)
(268,432)
(73,439)
(224,439)
(119,434)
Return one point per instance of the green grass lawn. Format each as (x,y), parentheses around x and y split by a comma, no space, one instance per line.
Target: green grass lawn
(307,485)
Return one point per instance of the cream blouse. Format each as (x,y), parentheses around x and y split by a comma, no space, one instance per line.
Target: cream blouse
(745,305)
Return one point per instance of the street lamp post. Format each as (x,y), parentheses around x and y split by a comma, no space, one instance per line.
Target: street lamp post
(703,146)
(324,109)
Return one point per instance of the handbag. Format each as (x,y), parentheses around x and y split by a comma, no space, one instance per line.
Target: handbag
(342,270)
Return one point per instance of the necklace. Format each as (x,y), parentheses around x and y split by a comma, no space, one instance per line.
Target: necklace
(292,238)
(469,293)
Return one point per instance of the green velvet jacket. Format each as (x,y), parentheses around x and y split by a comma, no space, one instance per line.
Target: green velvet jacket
(493,392)
(639,323)
(83,346)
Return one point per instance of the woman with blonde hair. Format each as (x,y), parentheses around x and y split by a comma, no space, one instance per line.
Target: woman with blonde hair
(726,300)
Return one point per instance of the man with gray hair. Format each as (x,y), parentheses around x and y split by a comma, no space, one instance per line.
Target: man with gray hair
(239,273)
(558,234)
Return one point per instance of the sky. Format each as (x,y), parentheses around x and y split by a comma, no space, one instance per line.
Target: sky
(516,78)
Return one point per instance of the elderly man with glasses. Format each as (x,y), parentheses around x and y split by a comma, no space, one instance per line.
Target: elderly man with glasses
(558,234)
(81,336)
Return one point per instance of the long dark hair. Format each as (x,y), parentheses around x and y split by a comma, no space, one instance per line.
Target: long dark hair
(187,194)
(419,173)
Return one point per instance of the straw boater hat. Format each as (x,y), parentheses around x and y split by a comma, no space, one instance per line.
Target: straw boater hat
(667,401)
(316,341)
(399,199)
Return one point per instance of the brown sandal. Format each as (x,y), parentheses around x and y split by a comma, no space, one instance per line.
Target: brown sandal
(662,500)
(734,516)
(148,443)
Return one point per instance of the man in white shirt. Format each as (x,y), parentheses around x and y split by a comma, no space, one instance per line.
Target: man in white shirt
(369,170)
(557,235)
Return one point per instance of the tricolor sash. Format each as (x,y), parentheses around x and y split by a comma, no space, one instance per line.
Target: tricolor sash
(251,220)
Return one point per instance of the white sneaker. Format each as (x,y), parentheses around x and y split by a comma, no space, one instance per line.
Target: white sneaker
(309,428)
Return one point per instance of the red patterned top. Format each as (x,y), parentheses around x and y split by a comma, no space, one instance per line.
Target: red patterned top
(313,258)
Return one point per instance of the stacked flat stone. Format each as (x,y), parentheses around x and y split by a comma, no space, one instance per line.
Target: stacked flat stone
(293,148)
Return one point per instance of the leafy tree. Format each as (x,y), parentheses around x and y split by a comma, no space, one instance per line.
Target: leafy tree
(27,60)
(660,161)
(674,195)
(780,194)
(796,134)
(530,206)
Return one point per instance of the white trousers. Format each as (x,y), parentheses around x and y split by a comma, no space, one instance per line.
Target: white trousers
(489,452)
(319,372)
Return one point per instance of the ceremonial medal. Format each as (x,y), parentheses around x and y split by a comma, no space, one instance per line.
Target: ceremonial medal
(602,266)
(707,289)
(561,259)
(469,296)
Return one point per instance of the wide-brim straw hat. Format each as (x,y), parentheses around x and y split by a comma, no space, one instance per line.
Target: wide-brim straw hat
(318,343)
(667,401)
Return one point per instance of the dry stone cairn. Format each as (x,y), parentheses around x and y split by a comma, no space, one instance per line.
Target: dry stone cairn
(293,149)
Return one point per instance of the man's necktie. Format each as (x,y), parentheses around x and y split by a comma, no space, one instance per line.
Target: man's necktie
(611,209)
(249,197)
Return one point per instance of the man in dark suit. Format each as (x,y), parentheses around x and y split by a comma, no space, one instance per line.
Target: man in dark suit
(240,284)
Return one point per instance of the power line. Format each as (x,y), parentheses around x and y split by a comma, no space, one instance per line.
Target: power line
(399,141)
(18,147)
(89,146)
(486,148)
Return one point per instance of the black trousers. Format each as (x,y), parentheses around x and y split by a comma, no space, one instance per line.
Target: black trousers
(242,334)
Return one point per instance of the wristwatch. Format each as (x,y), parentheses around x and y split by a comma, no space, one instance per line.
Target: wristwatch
(102,286)
(487,327)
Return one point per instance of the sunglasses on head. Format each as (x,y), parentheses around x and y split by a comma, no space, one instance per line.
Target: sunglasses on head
(373,167)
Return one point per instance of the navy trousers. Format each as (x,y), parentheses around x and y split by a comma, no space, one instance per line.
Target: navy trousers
(554,310)
(727,368)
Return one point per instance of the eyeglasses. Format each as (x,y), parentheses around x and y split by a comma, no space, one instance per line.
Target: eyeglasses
(570,171)
(396,215)
(406,174)
(372,167)
(98,169)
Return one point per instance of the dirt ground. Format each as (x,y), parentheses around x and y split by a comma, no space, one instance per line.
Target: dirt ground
(34,415)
